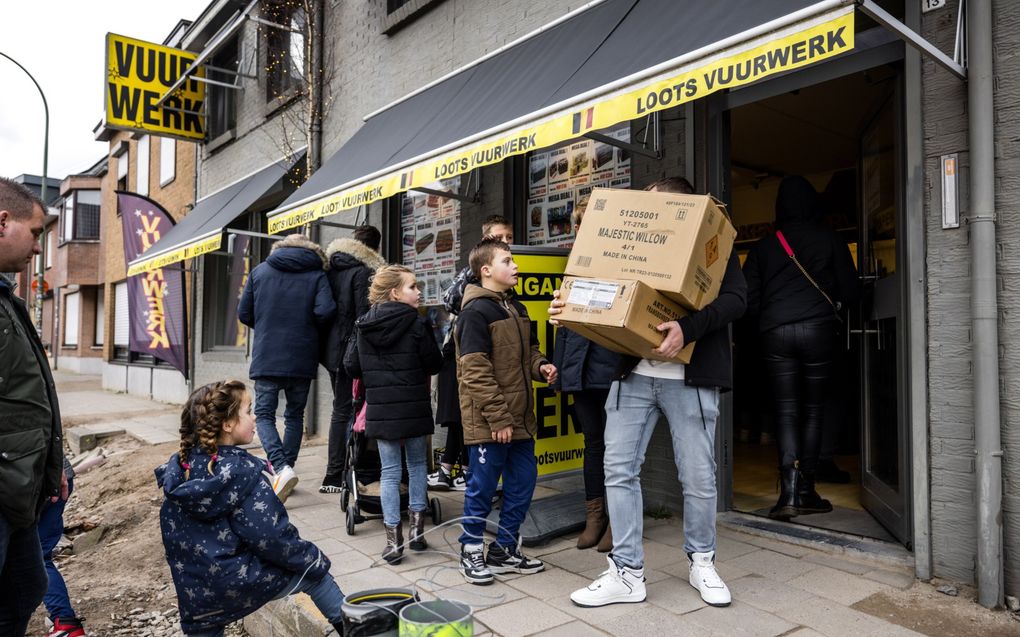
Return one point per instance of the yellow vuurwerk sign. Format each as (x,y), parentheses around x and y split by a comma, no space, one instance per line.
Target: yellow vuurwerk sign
(138,74)
(559,444)
(793,48)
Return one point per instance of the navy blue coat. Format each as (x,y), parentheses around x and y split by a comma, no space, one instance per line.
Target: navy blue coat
(582,364)
(228,541)
(287,300)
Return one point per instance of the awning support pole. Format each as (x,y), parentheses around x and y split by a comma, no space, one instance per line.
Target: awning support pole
(260,235)
(443,193)
(881,16)
(205,80)
(984,305)
(274,25)
(330,224)
(219,69)
(652,121)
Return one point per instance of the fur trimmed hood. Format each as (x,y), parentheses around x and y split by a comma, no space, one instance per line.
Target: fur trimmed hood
(298,240)
(354,249)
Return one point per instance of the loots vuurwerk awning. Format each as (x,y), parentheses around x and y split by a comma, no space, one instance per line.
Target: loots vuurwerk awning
(201,231)
(609,63)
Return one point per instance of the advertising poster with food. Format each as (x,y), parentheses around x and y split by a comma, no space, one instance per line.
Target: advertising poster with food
(571,170)
(430,229)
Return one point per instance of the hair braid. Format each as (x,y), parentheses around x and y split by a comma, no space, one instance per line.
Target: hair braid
(202,418)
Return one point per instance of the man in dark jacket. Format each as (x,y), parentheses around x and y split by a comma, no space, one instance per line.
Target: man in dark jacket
(688,397)
(31,444)
(287,301)
(351,265)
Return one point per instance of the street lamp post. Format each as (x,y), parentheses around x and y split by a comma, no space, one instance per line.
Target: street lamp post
(41,270)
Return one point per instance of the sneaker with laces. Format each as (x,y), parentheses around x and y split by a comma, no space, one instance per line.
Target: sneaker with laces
(441,480)
(284,482)
(617,585)
(472,564)
(67,627)
(706,579)
(459,483)
(503,560)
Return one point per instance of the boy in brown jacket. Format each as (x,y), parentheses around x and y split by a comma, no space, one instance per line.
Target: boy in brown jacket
(498,357)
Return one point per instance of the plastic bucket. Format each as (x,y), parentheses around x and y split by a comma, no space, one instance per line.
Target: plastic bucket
(375,612)
(440,618)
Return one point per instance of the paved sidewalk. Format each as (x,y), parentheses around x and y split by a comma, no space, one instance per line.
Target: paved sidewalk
(778,588)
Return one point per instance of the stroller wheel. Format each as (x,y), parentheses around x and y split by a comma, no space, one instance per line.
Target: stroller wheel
(345,498)
(436,511)
(352,514)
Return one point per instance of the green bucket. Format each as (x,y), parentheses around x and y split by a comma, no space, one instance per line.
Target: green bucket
(440,618)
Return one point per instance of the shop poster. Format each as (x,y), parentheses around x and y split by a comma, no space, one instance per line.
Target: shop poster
(561,176)
(430,238)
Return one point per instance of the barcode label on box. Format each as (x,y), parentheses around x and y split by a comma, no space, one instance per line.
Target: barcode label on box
(583,261)
(593,294)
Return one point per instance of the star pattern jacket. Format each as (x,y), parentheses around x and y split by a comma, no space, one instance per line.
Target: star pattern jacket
(229,543)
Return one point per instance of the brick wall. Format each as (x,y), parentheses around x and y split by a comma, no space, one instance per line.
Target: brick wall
(954,540)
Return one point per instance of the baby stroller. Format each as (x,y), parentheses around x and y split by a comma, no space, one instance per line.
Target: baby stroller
(359,492)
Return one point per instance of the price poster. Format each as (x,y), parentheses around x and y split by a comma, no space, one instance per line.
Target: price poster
(430,238)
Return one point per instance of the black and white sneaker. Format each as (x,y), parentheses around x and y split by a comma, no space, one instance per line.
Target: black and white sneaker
(472,564)
(503,560)
(441,480)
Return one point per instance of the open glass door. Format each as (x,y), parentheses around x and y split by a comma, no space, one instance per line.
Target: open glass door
(884,459)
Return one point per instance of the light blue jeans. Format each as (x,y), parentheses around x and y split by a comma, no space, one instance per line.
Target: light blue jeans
(417,474)
(633,409)
(324,592)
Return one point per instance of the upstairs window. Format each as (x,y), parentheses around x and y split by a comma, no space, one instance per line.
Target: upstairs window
(221,102)
(285,48)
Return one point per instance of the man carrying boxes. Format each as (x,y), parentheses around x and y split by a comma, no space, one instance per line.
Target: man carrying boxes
(652,254)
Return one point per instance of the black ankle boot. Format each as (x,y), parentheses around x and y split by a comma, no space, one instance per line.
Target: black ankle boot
(808,500)
(339,628)
(786,507)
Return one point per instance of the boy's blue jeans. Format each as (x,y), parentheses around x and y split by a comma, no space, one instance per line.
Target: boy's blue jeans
(515,463)
(51,528)
(324,592)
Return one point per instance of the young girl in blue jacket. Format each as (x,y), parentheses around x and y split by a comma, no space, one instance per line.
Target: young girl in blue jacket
(228,541)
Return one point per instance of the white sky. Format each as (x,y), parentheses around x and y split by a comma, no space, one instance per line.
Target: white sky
(60,42)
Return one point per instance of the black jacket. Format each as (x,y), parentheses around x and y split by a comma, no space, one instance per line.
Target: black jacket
(351,266)
(287,301)
(712,362)
(394,353)
(778,293)
(582,364)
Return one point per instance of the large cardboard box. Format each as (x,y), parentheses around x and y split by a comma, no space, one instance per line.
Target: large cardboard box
(677,244)
(620,315)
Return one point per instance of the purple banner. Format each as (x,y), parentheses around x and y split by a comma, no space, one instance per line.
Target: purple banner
(155,298)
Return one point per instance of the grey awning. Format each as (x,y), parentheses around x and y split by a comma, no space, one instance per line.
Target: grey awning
(587,71)
(201,231)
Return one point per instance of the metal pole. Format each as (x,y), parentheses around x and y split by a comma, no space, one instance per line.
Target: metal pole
(40,273)
(984,306)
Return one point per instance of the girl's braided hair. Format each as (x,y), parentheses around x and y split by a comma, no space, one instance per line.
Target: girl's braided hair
(203,416)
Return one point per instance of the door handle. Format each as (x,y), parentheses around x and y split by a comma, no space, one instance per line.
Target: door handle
(877,331)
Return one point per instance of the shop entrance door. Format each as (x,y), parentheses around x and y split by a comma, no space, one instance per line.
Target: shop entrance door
(876,326)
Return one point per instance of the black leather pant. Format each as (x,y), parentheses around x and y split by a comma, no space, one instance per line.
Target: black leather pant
(799,362)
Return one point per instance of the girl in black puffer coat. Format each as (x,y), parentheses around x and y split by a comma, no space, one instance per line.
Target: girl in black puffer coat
(394,353)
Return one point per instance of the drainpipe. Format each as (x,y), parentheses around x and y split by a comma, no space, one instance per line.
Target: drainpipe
(313,159)
(984,305)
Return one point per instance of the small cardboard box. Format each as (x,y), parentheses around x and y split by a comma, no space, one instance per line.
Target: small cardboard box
(677,244)
(620,315)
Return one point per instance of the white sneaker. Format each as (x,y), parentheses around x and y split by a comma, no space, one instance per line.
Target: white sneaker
(706,579)
(284,483)
(459,483)
(618,585)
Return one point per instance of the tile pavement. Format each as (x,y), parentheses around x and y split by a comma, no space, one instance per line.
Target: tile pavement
(779,588)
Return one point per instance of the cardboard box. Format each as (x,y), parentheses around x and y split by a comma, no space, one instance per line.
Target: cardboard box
(677,244)
(620,315)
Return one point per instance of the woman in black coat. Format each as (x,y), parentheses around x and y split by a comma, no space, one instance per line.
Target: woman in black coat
(395,354)
(586,371)
(798,323)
